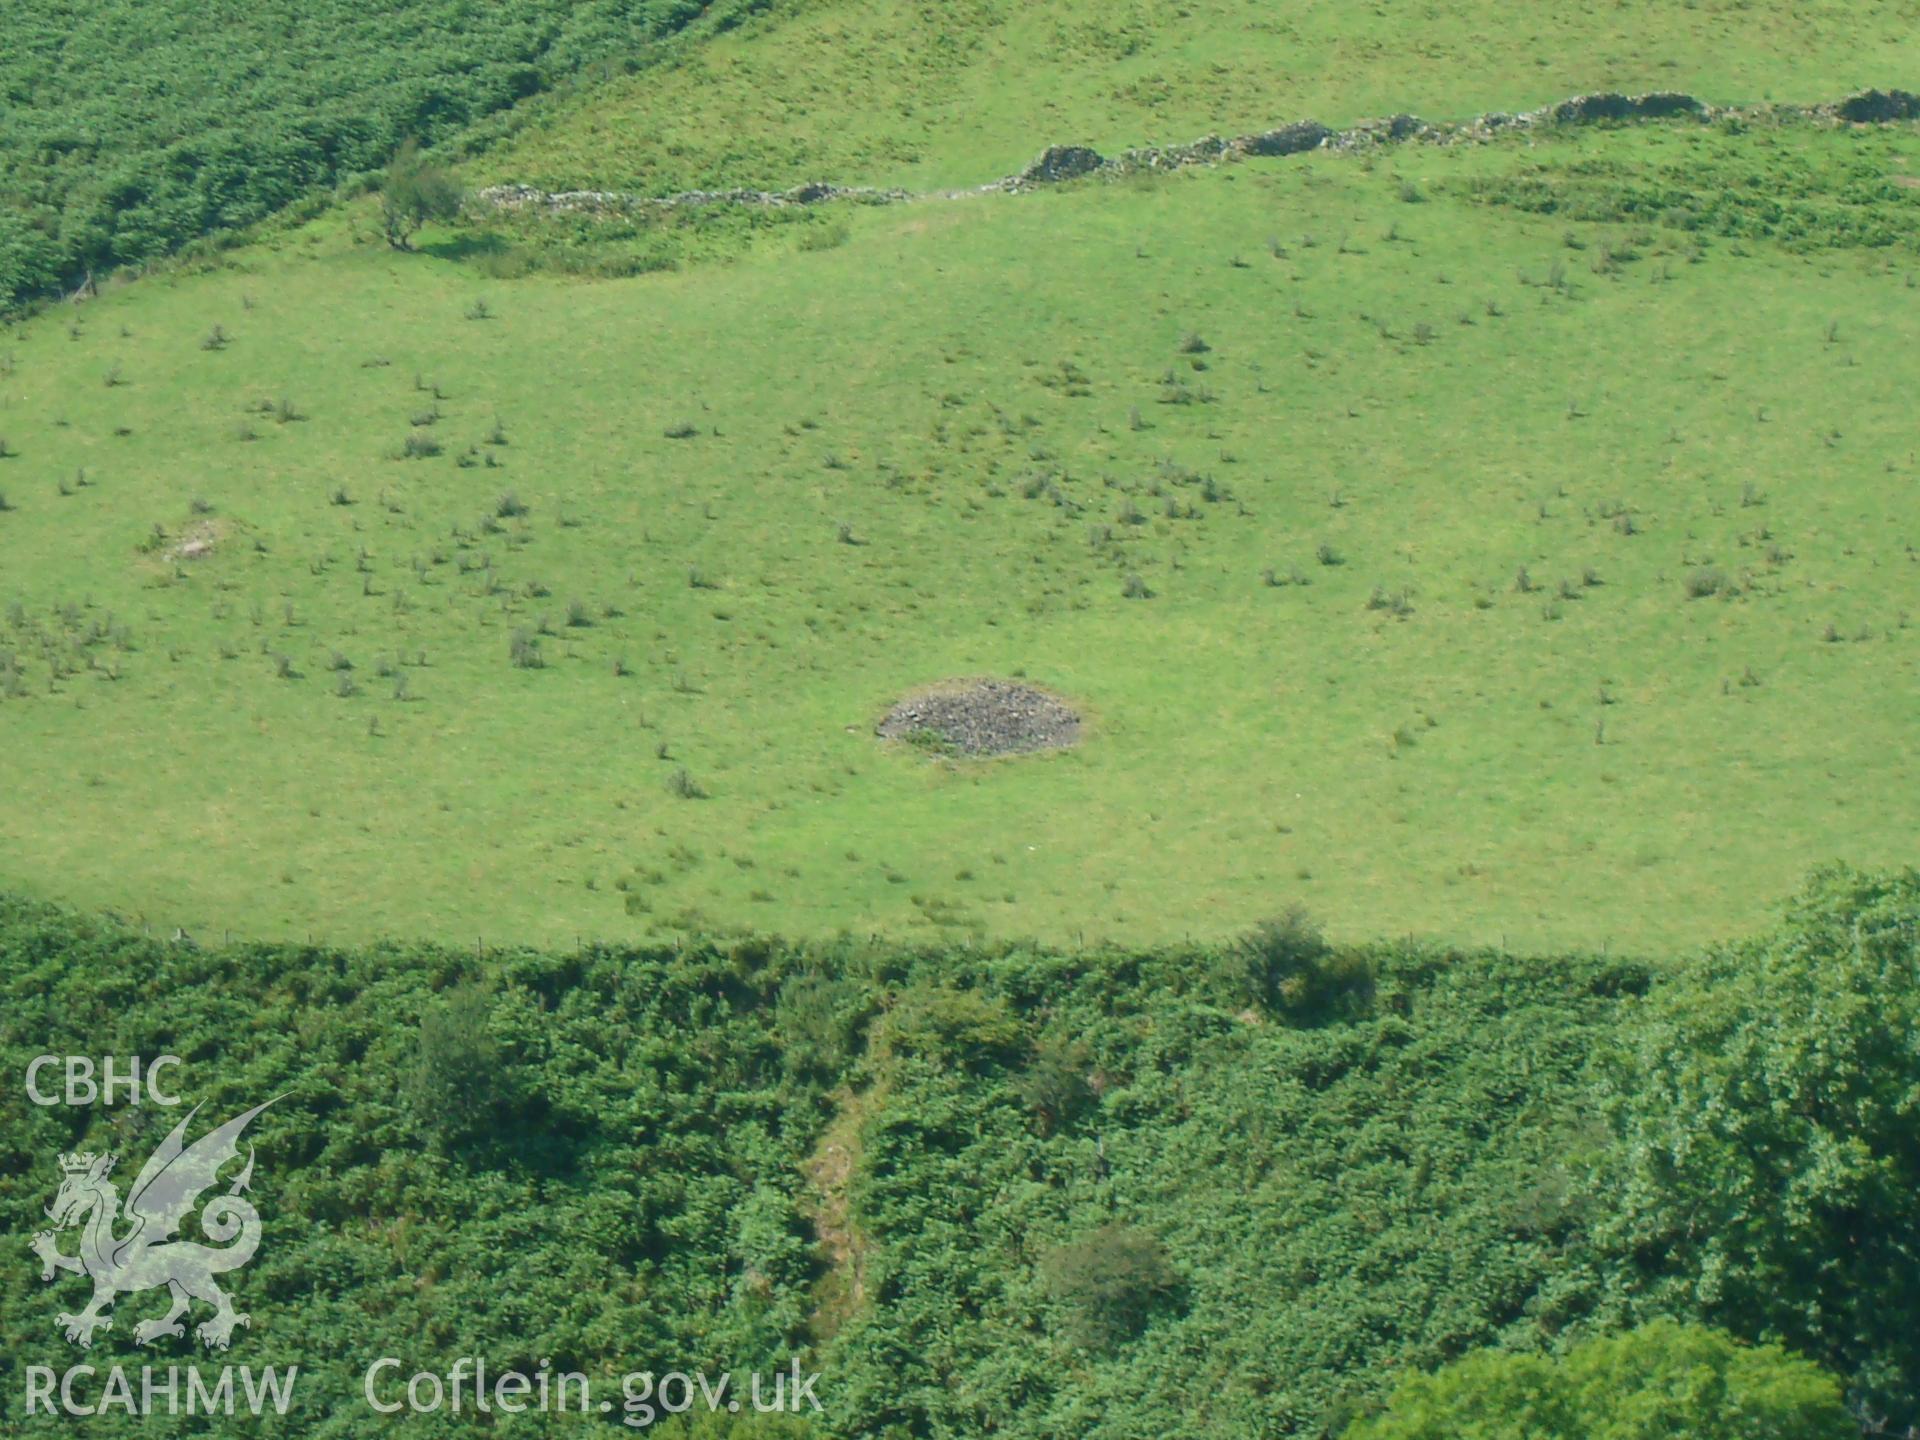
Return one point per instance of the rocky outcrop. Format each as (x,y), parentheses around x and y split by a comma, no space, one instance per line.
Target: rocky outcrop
(1059,164)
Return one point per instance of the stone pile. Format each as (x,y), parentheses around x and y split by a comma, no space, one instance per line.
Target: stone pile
(981,718)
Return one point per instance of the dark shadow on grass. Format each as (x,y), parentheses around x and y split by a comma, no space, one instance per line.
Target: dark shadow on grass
(464,247)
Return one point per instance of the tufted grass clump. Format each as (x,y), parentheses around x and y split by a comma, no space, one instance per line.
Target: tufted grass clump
(523,651)
(1705,581)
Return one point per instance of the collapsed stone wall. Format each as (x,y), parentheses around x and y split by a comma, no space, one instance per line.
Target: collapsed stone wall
(1060,163)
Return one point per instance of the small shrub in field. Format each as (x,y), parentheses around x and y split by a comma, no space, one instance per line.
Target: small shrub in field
(523,650)
(1192,344)
(1706,580)
(577,616)
(285,412)
(509,505)
(1397,603)
(339,496)
(497,435)
(1523,582)
(681,430)
(214,339)
(1134,588)
(1327,555)
(479,311)
(419,446)
(682,784)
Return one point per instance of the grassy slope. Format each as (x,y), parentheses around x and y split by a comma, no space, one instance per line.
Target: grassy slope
(928,95)
(1251,745)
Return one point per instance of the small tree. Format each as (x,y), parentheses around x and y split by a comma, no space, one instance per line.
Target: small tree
(414,193)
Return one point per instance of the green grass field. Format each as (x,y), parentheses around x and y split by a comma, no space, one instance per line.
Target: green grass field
(1501,713)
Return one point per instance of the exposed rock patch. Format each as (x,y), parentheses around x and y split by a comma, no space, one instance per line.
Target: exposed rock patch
(197,542)
(982,717)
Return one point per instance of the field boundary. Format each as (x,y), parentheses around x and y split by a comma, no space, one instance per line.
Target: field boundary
(1059,163)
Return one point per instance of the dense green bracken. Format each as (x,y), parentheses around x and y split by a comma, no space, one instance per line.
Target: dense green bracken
(1099,1193)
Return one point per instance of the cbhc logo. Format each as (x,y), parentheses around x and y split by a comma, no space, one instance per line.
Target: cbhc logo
(82,1088)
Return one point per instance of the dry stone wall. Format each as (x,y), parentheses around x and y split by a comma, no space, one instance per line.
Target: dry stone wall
(1058,164)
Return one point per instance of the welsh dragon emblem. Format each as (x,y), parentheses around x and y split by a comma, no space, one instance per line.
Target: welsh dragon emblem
(147,1256)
